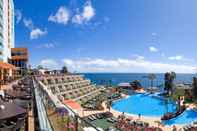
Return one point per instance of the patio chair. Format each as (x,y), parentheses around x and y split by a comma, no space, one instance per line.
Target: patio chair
(99,116)
(110,120)
(8,126)
(20,122)
(90,118)
(93,117)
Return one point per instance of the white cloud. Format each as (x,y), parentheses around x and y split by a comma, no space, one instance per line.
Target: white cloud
(18,15)
(47,45)
(49,63)
(88,11)
(178,57)
(77,19)
(86,15)
(28,23)
(124,65)
(36,33)
(139,57)
(153,49)
(61,16)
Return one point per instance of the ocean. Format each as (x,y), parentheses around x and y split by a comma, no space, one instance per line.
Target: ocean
(115,78)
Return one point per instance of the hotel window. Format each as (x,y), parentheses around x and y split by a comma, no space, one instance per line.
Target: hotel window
(53,90)
(56,81)
(61,88)
(49,81)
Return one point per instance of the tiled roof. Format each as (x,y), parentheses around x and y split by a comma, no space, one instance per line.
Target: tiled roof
(6,65)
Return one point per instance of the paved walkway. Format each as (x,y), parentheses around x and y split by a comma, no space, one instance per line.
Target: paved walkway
(31,125)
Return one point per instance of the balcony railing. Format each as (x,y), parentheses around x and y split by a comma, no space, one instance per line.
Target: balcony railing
(50,117)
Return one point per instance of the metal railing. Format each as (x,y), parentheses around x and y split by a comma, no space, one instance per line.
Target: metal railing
(42,94)
(44,123)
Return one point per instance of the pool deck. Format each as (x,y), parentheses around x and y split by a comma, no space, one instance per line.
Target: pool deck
(153,121)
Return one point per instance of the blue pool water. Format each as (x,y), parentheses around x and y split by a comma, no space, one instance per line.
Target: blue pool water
(147,105)
(187,117)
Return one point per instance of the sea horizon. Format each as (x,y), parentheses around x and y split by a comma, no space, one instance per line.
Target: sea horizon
(116,78)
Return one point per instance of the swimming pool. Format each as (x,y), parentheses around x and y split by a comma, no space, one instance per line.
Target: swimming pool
(187,117)
(147,105)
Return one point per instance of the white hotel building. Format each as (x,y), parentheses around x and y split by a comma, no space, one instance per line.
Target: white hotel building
(6,29)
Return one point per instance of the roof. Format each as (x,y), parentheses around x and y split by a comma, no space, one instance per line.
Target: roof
(124,85)
(19,49)
(6,65)
(183,86)
(72,104)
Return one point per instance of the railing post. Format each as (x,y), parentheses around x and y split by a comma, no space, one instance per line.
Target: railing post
(76,123)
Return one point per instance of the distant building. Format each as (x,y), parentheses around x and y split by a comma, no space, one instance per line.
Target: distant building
(19,58)
(125,85)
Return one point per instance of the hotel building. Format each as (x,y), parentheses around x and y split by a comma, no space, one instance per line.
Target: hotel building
(6,37)
(6,29)
(19,58)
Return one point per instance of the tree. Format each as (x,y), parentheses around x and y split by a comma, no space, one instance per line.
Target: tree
(109,103)
(40,67)
(194,88)
(169,82)
(136,84)
(151,77)
(64,70)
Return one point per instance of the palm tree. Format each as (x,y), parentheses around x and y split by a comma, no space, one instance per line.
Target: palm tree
(64,70)
(169,81)
(40,67)
(136,84)
(109,103)
(194,89)
(151,77)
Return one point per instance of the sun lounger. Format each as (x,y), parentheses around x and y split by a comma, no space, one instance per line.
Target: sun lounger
(114,119)
(110,120)
(98,116)
(90,118)
(94,117)
(185,128)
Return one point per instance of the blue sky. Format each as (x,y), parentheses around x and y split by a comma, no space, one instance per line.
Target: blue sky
(109,35)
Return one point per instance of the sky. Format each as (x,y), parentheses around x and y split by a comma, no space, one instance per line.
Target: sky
(109,35)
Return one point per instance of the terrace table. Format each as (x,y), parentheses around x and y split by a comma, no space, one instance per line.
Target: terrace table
(11,110)
(17,94)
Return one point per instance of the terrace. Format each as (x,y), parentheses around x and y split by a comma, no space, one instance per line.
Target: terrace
(58,116)
(16,106)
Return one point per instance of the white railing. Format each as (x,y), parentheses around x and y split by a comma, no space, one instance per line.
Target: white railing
(44,122)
